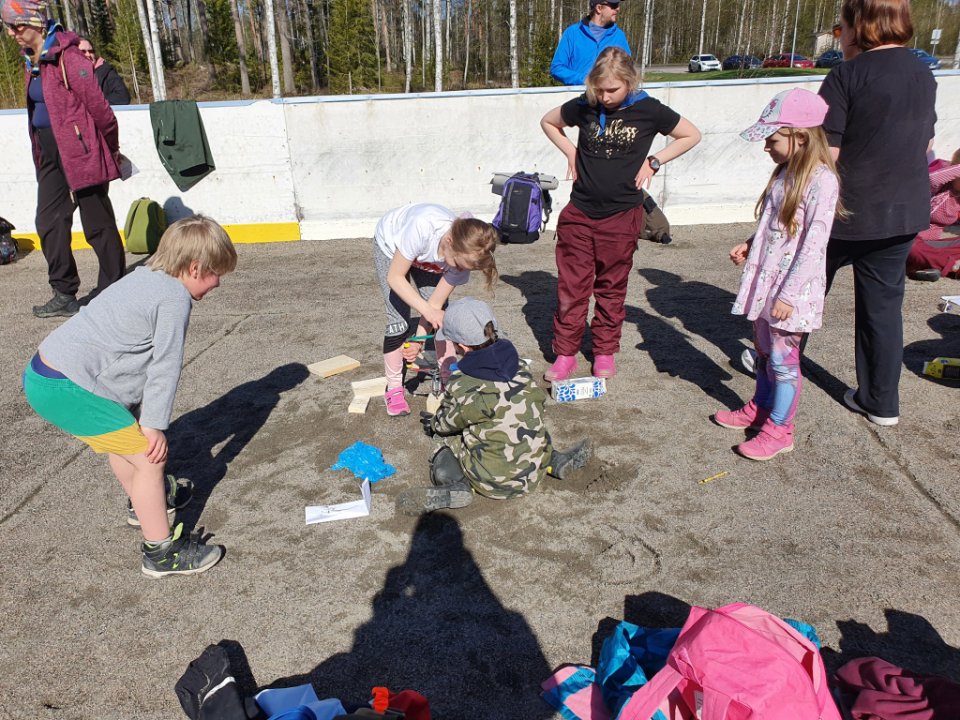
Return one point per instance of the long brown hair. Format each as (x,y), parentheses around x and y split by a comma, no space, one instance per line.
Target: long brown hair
(804,160)
(474,241)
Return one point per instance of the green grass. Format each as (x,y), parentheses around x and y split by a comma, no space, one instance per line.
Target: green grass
(731,75)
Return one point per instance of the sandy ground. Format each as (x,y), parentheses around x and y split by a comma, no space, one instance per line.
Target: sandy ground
(857,532)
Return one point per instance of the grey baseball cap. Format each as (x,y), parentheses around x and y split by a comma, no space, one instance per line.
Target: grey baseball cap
(464,321)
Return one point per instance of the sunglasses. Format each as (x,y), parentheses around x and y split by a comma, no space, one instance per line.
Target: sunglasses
(837,29)
(611,5)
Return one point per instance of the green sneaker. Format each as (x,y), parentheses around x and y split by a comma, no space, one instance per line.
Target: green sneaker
(178,496)
(179,556)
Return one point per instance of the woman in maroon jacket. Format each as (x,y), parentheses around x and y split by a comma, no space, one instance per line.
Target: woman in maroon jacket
(76,149)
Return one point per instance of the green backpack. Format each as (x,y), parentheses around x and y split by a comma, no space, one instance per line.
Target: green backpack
(146,224)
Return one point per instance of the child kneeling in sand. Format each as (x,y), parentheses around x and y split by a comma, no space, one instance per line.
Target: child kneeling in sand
(489,435)
(126,349)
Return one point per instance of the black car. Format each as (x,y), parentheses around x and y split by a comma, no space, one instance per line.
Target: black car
(830,59)
(742,62)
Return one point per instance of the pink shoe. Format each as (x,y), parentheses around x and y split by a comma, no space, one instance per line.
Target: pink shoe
(562,368)
(772,440)
(396,402)
(603,366)
(749,416)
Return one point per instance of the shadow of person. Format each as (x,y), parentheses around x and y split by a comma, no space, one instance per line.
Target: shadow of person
(234,418)
(672,352)
(439,629)
(916,354)
(539,290)
(648,610)
(910,642)
(175,209)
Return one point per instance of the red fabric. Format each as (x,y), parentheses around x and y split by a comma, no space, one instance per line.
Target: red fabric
(878,690)
(929,250)
(413,704)
(594,257)
(82,108)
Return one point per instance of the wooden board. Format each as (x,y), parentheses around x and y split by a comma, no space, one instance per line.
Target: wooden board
(359,405)
(369,388)
(433,403)
(332,366)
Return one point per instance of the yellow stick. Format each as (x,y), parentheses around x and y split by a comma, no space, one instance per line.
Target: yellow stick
(712,478)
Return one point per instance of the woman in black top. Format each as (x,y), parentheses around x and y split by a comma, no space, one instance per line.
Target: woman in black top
(880,125)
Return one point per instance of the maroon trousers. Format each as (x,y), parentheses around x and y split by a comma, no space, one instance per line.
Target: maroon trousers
(594,257)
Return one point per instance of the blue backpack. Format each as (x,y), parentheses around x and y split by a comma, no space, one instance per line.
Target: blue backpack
(524,210)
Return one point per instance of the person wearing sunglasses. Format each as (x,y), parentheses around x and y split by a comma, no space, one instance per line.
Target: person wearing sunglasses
(583,42)
(880,126)
(76,152)
(108,78)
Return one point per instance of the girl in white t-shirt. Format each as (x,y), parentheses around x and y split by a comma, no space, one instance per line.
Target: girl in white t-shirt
(421,253)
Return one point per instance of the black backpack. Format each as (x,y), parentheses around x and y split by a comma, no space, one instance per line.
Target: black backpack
(9,250)
(524,210)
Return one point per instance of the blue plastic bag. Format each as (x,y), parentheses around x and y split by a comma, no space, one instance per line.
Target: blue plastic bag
(364,461)
(628,659)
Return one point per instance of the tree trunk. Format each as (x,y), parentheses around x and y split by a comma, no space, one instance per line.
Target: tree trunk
(783,34)
(703,27)
(514,67)
(160,88)
(377,31)
(67,16)
(438,47)
(83,28)
(175,32)
(202,16)
(285,52)
(716,37)
(272,47)
(753,6)
(311,48)
(647,34)
(148,46)
(253,7)
(466,42)
(743,12)
(241,49)
(446,33)
(485,36)
(553,14)
(530,41)
(386,36)
(956,55)
(407,43)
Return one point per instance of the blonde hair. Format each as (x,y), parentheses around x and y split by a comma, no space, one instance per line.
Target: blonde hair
(196,238)
(613,62)
(474,241)
(805,158)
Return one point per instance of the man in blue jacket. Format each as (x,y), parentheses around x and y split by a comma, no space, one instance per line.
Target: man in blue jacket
(583,42)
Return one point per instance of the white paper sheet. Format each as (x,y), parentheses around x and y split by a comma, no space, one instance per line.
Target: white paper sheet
(343,511)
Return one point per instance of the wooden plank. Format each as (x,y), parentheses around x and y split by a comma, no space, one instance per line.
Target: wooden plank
(369,388)
(332,366)
(359,404)
(433,403)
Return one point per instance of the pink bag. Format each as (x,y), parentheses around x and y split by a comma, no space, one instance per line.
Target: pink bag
(737,663)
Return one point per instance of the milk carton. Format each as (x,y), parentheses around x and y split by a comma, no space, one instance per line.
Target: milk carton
(579,388)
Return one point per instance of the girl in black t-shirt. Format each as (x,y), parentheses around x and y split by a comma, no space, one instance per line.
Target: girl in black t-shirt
(597,231)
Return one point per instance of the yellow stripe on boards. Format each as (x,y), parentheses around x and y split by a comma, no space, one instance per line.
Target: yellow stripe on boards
(246,233)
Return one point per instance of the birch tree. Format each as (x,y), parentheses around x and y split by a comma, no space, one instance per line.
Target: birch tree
(438,46)
(241,49)
(514,69)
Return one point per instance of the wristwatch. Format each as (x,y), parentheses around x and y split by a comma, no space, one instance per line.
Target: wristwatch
(654,163)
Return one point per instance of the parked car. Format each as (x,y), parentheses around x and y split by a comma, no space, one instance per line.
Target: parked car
(830,59)
(927,59)
(703,63)
(783,61)
(742,62)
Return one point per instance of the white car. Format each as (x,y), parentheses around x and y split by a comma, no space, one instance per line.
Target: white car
(703,63)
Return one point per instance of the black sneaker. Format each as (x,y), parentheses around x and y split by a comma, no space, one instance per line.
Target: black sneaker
(422,500)
(59,305)
(179,556)
(177,497)
(564,463)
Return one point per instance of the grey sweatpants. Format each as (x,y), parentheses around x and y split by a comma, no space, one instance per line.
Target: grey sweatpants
(398,312)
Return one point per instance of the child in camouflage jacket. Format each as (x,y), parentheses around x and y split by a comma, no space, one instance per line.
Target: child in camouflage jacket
(488,434)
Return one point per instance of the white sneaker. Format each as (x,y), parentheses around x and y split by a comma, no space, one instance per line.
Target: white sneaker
(875,419)
(749,359)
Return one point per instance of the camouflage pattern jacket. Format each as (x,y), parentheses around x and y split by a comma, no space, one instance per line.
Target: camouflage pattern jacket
(497,432)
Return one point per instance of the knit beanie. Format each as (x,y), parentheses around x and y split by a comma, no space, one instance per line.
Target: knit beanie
(25,12)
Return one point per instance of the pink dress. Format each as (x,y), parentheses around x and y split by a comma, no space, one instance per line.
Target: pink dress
(791,269)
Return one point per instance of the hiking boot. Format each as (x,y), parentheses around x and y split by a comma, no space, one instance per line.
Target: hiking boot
(850,399)
(603,366)
(749,416)
(445,470)
(561,369)
(422,500)
(60,305)
(565,462)
(772,440)
(928,275)
(665,239)
(749,360)
(177,497)
(179,556)
(396,402)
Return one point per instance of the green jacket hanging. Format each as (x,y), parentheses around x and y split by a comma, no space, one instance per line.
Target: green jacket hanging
(181,141)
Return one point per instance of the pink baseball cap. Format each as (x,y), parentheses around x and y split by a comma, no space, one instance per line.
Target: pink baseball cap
(796,108)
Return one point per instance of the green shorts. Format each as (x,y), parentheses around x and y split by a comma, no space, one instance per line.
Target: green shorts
(104,425)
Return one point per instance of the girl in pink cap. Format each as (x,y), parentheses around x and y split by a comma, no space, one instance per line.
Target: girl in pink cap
(784,274)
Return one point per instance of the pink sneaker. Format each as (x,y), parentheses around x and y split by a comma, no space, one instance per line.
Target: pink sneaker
(603,366)
(749,416)
(772,440)
(396,402)
(562,368)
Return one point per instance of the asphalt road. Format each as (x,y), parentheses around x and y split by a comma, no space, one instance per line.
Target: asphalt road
(856,532)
